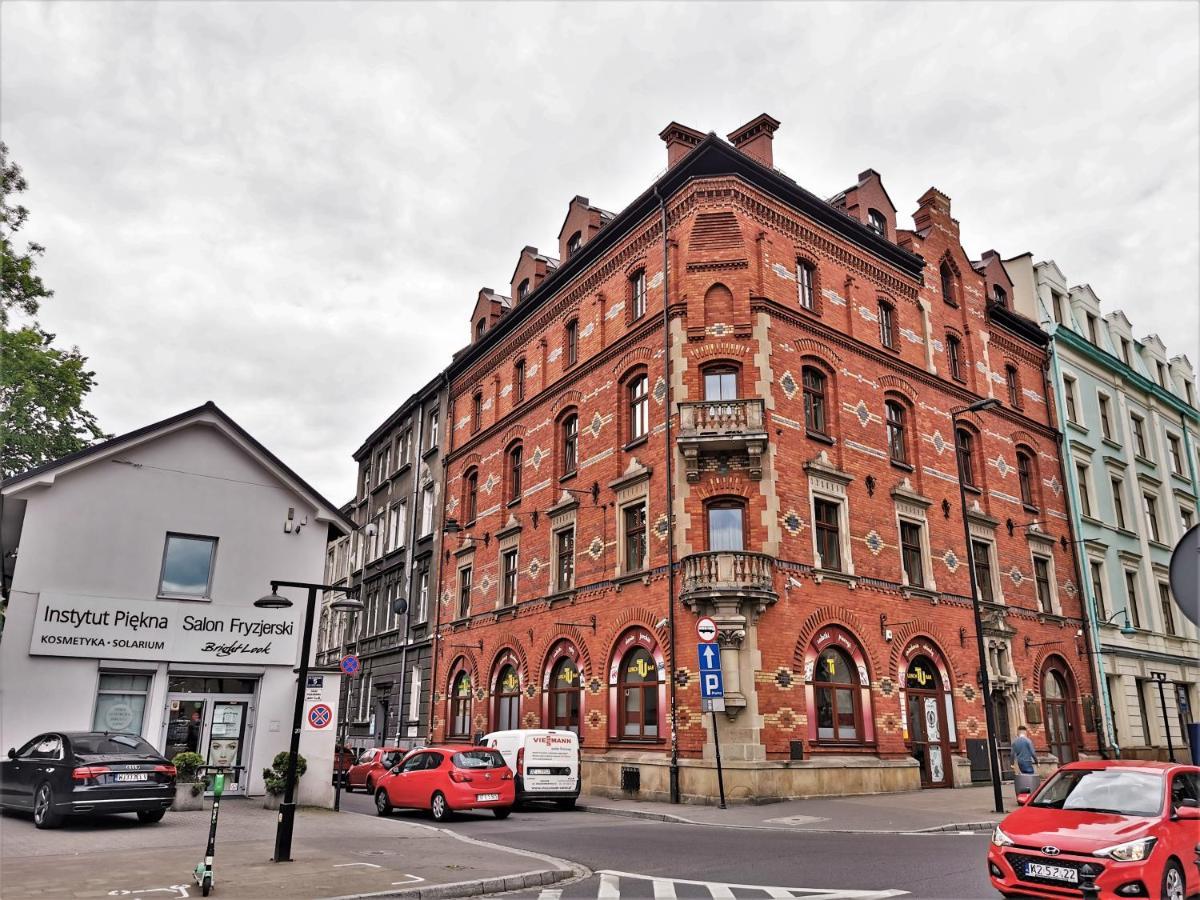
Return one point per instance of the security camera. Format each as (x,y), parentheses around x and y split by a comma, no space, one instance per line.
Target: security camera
(661,623)
(370,529)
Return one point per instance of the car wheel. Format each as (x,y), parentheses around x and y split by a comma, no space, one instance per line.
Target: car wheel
(565,804)
(383,806)
(503,812)
(151,815)
(1172,883)
(439,807)
(44,815)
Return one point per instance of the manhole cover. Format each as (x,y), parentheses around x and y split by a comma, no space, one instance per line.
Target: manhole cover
(796,820)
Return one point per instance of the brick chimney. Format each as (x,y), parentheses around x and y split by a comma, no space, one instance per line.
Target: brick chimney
(754,139)
(933,207)
(679,140)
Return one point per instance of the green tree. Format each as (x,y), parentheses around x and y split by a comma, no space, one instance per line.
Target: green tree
(42,388)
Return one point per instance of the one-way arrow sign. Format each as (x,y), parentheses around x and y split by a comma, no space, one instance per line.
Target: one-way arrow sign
(710,656)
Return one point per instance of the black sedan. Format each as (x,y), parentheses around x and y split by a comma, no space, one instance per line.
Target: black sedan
(71,773)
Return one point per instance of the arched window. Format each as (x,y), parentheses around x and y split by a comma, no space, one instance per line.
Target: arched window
(476,411)
(999,295)
(515,458)
(726,524)
(887,325)
(460,706)
(806,277)
(948,293)
(507,714)
(721,382)
(964,446)
(480,328)
(897,432)
(523,289)
(638,390)
(836,697)
(1026,477)
(637,695)
(574,243)
(519,381)
(471,496)
(565,694)
(1013,383)
(637,294)
(1058,704)
(814,400)
(571,340)
(877,222)
(954,357)
(569,445)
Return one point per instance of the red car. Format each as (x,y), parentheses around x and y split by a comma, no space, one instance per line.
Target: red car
(371,766)
(343,759)
(1105,829)
(447,779)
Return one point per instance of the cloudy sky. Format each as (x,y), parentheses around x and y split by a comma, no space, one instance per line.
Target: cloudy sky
(289,208)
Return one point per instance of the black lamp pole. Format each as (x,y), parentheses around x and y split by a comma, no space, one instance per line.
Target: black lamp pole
(985,682)
(287,809)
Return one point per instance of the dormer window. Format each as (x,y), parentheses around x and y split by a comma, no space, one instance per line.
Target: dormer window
(877,222)
(999,296)
(1091,327)
(574,244)
(948,294)
(523,289)
(480,328)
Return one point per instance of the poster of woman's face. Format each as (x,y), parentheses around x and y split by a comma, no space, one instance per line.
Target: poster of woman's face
(223,751)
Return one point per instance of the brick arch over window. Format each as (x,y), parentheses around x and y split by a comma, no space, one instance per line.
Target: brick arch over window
(819,350)
(631,617)
(572,635)
(711,351)
(1024,437)
(719,487)
(718,305)
(565,399)
(631,267)
(1047,659)
(904,636)
(635,357)
(895,383)
(513,435)
(836,616)
(510,644)
(471,459)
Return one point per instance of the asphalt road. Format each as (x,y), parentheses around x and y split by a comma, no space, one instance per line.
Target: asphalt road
(662,859)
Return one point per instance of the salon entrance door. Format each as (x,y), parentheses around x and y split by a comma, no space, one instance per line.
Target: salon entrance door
(217,726)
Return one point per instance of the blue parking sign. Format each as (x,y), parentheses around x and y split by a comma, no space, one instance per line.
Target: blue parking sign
(712,686)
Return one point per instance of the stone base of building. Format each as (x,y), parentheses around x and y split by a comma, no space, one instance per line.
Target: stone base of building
(761,781)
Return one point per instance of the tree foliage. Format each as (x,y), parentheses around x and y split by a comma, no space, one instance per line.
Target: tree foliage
(42,387)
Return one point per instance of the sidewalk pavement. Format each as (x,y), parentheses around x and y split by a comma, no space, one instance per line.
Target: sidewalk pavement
(956,809)
(334,855)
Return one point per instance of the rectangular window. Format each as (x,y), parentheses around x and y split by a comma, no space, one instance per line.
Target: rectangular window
(1162,373)
(635,537)
(637,290)
(1150,508)
(887,326)
(519,381)
(427,510)
(1014,388)
(1143,711)
(1131,598)
(911,555)
(564,559)
(1191,393)
(1139,436)
(1041,578)
(1069,393)
(1097,572)
(1167,605)
(1118,502)
(1085,494)
(1105,417)
(383,463)
(954,356)
(510,578)
(433,430)
(804,284)
(1091,325)
(1187,517)
(187,567)
(1175,451)
(397,526)
(405,451)
(121,702)
(476,412)
(421,613)
(827,516)
(981,557)
(572,340)
(1125,352)
(414,695)
(464,592)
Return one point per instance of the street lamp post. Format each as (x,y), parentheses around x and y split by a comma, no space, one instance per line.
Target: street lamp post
(287,809)
(985,681)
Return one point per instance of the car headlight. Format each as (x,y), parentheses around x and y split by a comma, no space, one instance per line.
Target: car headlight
(1131,851)
(1000,839)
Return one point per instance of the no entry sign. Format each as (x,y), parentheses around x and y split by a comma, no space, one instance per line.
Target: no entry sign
(706,628)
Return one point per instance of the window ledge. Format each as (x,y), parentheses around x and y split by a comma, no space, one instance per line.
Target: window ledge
(425,537)
(818,437)
(186,597)
(1179,476)
(922,593)
(630,577)
(1110,442)
(902,466)
(516,501)
(973,489)
(429,452)
(637,442)
(562,597)
(1144,460)
(1158,545)
(820,575)
(567,476)
(1030,508)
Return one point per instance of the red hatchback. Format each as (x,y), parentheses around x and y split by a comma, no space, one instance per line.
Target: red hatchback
(372,766)
(447,779)
(1105,829)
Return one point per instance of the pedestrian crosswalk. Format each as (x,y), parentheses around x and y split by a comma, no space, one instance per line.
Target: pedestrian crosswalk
(612,885)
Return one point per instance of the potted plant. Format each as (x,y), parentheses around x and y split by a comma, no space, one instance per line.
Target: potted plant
(189,787)
(276,777)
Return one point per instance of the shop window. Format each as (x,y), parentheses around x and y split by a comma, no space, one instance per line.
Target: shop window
(726,525)
(637,689)
(121,702)
(814,401)
(187,567)
(508,700)
(837,698)
(460,706)
(565,695)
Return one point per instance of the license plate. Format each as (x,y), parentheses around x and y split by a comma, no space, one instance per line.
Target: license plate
(132,776)
(539,772)
(1058,873)
(483,798)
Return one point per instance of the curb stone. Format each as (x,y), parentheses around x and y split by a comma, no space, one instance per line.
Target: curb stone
(474,888)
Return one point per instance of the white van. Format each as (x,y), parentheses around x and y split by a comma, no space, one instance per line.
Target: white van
(545,763)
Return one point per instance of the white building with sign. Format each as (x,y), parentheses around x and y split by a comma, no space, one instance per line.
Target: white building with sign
(131,570)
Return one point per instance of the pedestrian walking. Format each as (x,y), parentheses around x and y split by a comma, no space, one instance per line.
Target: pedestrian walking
(1022,751)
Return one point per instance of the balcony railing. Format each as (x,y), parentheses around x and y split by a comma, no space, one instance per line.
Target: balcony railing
(723,428)
(726,572)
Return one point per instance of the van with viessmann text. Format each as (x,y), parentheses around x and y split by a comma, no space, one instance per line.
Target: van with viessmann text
(545,762)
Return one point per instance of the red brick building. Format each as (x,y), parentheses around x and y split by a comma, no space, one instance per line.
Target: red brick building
(792,406)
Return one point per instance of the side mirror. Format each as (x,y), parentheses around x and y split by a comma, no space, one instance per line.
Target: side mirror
(1022,799)
(1187,813)
(12,752)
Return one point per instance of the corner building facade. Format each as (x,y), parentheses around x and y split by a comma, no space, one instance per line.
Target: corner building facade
(778,372)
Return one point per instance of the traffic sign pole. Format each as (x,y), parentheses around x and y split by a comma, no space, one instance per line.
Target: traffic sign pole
(712,687)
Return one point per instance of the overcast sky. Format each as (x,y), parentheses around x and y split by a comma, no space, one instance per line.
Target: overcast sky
(289,208)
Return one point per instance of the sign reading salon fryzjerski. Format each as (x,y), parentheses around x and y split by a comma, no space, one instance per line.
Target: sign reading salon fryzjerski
(71,625)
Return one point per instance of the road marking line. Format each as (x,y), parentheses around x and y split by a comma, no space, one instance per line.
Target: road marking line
(608,887)
(720,892)
(412,879)
(550,894)
(346,865)
(664,889)
(779,893)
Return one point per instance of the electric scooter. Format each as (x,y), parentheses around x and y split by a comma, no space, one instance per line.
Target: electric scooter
(204,872)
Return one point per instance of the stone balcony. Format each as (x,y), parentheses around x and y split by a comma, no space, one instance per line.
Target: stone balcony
(722,428)
(722,581)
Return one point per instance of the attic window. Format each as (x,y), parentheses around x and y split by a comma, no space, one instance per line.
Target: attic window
(523,289)
(999,295)
(574,244)
(877,222)
(480,328)
(948,284)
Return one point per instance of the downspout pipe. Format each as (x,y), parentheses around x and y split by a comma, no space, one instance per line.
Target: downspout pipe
(1091,613)
(670,456)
